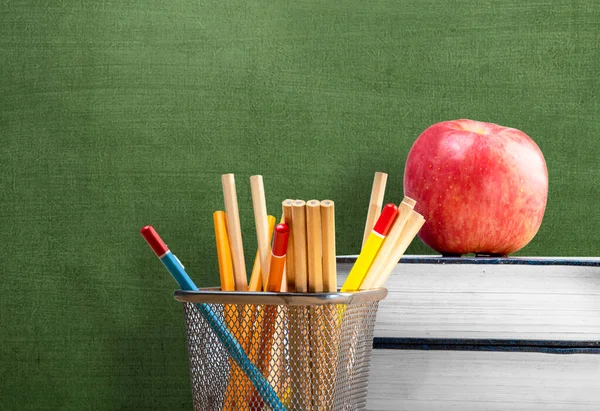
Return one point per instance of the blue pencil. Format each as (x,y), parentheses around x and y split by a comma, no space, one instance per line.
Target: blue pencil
(234,349)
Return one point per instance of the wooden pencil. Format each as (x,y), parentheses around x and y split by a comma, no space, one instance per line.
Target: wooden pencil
(234,232)
(413,225)
(411,202)
(315,285)
(256,283)
(283,285)
(299,233)
(375,203)
(262,227)
(328,240)
(289,259)
(314,246)
(299,320)
(387,248)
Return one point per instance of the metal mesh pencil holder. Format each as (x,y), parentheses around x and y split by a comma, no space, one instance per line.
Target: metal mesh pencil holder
(279,351)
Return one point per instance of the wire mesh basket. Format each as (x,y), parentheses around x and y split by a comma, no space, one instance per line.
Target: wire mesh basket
(298,351)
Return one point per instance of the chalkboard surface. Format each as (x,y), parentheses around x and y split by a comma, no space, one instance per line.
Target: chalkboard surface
(118,114)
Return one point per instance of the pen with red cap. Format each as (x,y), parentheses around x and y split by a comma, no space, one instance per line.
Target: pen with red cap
(231,345)
(371,247)
(278,252)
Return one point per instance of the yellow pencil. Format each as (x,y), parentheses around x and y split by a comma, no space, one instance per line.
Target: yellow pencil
(370,249)
(387,248)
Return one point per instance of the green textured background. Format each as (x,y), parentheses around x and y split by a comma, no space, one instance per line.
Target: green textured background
(116,114)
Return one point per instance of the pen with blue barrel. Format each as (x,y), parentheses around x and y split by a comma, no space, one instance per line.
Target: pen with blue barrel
(233,348)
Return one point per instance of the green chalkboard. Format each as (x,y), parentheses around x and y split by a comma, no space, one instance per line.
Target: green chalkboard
(117,114)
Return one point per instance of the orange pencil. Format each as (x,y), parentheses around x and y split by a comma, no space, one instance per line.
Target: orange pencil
(223,251)
(230,312)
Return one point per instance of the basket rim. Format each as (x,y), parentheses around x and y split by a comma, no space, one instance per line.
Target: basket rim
(214,295)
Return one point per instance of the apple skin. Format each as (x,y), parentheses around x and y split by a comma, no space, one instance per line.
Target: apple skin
(481,187)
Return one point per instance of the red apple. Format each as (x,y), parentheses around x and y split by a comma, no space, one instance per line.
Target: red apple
(481,187)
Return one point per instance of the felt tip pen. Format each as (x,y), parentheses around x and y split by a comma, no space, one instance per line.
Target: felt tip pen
(231,345)
(371,247)
(278,252)
(170,261)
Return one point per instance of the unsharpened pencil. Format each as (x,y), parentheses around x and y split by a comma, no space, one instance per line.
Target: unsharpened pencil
(290,278)
(314,246)
(375,203)
(234,231)
(299,233)
(413,225)
(256,283)
(328,240)
(262,226)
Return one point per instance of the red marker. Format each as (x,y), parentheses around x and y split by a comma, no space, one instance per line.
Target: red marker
(386,219)
(279,249)
(171,262)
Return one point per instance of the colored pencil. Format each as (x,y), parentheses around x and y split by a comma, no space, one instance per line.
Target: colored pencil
(231,315)
(223,251)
